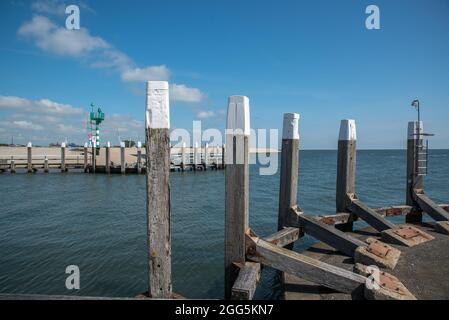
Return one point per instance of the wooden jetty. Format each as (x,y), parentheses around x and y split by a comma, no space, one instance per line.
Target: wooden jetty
(385,261)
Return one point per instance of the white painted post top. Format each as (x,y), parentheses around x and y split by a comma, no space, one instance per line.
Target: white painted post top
(108,144)
(347,130)
(63,145)
(122,144)
(207,145)
(85,144)
(196,144)
(183,144)
(139,144)
(158,105)
(412,131)
(29,145)
(290,127)
(238,115)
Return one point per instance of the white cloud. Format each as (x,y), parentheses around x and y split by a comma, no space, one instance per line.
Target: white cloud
(205,114)
(145,74)
(38,106)
(180,92)
(59,40)
(22,124)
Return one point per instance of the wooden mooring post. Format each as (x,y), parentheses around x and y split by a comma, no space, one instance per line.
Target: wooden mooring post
(158,189)
(29,158)
(122,158)
(86,157)
(63,167)
(139,157)
(288,188)
(183,157)
(12,164)
(46,164)
(206,156)
(236,187)
(108,158)
(94,158)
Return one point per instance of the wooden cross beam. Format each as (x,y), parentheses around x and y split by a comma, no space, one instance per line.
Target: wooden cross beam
(370,216)
(431,208)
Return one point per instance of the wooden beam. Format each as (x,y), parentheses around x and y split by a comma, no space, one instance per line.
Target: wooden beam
(369,215)
(246,283)
(431,208)
(330,235)
(284,237)
(236,187)
(288,188)
(307,268)
(158,189)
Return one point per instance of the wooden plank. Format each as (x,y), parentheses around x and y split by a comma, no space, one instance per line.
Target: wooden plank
(431,208)
(304,267)
(158,190)
(330,235)
(346,165)
(288,188)
(236,187)
(246,283)
(284,237)
(370,216)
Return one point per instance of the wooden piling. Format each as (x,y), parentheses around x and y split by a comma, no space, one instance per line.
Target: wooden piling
(158,189)
(63,167)
(236,187)
(139,157)
(46,164)
(86,155)
(122,158)
(223,149)
(12,167)
(414,181)
(29,157)
(94,158)
(195,156)
(206,157)
(288,188)
(183,157)
(346,162)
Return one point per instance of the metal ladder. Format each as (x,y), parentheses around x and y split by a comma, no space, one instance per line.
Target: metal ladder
(422,158)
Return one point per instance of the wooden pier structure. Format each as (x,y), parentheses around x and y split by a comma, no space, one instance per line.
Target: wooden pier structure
(385,261)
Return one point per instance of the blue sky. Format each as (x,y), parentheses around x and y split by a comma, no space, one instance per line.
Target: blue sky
(311,57)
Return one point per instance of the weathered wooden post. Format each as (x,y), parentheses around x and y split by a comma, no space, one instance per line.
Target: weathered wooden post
(122,158)
(12,165)
(108,158)
(206,156)
(63,167)
(86,155)
(195,156)
(346,162)
(217,151)
(158,189)
(183,156)
(223,149)
(94,158)
(288,188)
(46,164)
(236,187)
(414,181)
(29,157)
(139,157)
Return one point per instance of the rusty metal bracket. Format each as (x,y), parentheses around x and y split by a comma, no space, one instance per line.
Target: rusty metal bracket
(391,283)
(408,233)
(379,249)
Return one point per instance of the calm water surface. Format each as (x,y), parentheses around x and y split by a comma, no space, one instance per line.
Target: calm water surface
(49,221)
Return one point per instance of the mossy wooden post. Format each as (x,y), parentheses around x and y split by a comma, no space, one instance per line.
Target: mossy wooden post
(414,181)
(63,166)
(46,164)
(122,158)
(346,161)
(29,157)
(206,156)
(86,159)
(183,157)
(236,187)
(108,158)
(139,157)
(158,189)
(288,188)
(12,165)
(94,158)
